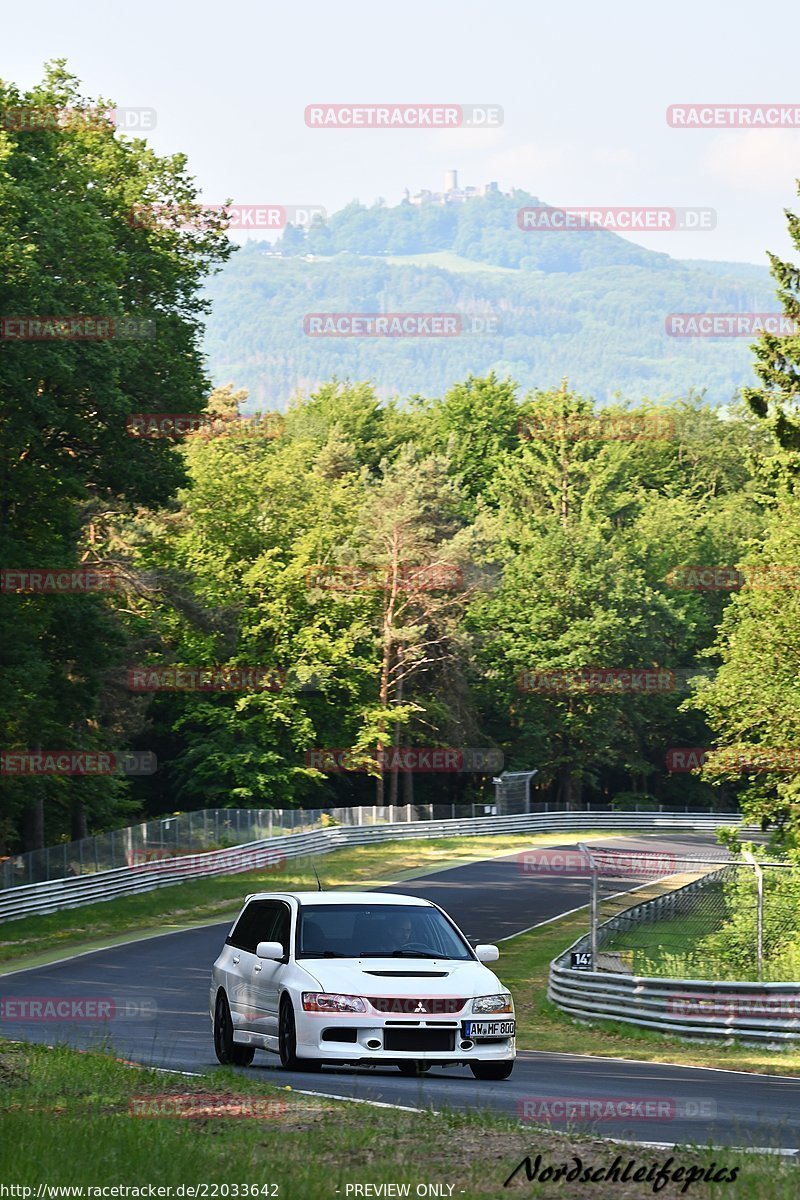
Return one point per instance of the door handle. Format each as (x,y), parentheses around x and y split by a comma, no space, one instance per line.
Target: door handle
(236,959)
(257,967)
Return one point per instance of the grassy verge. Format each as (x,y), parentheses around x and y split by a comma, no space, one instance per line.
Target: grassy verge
(85,1119)
(659,941)
(199,901)
(523,967)
(674,948)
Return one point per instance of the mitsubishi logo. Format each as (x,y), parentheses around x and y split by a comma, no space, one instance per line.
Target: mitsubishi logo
(420,1008)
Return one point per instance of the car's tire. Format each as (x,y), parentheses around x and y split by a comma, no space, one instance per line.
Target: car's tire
(413,1068)
(492,1070)
(225,1048)
(287,1041)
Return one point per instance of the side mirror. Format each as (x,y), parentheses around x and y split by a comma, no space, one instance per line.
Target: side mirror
(487,954)
(271,950)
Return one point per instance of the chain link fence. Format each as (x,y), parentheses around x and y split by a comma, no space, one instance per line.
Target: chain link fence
(515,793)
(207,829)
(707,915)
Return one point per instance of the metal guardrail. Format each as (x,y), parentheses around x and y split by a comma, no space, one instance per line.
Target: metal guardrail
(765,1013)
(202,830)
(29,899)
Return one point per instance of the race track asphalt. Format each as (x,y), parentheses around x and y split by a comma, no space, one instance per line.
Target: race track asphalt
(166,979)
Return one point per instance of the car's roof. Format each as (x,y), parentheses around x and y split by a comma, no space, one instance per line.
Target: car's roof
(367,898)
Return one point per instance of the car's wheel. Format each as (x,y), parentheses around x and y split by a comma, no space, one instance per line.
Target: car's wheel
(287,1041)
(413,1068)
(226,1050)
(492,1070)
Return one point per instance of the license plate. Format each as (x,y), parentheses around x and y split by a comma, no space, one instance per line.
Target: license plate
(489,1029)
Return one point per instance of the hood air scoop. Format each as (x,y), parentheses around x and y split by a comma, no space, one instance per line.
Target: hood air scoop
(410,974)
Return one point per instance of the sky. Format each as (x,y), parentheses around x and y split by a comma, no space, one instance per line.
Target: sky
(584,89)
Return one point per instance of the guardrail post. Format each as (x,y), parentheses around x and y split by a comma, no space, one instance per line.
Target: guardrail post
(592,902)
(759,911)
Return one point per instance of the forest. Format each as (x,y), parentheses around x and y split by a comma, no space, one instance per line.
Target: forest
(300,608)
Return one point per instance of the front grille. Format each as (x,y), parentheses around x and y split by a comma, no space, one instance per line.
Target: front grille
(433,1040)
(413,1006)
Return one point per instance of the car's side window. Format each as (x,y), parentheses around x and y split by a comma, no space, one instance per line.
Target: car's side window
(255,925)
(280,930)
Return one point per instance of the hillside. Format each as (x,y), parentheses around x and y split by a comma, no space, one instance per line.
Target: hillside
(587,305)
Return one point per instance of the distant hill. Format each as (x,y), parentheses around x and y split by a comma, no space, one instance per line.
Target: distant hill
(587,305)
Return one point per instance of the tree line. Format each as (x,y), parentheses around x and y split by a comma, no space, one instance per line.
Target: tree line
(582,590)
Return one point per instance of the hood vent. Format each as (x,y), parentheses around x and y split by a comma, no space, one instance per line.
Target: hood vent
(410,974)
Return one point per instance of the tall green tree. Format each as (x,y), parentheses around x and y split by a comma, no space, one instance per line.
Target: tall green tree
(69,247)
(777,360)
(753,703)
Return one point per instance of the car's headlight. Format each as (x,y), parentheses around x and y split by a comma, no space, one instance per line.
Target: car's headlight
(493,1004)
(331,1002)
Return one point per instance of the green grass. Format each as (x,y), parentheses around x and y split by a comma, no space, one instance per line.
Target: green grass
(69,1119)
(33,939)
(448,261)
(663,947)
(674,948)
(524,967)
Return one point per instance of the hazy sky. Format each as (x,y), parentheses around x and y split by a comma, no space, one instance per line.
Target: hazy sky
(584,88)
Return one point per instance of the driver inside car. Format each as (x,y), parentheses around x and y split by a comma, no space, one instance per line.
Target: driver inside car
(401,931)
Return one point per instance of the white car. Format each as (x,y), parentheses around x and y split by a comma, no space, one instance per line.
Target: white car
(358,977)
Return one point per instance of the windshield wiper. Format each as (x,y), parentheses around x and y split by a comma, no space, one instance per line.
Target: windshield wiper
(415,954)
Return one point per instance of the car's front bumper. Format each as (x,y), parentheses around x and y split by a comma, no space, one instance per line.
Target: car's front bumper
(370,1038)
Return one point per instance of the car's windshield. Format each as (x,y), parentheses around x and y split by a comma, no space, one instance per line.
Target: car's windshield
(377,931)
